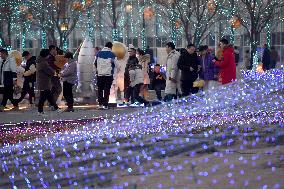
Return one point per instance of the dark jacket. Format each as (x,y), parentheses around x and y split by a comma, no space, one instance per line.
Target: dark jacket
(208,68)
(159,82)
(44,73)
(227,66)
(29,63)
(132,60)
(266,58)
(185,62)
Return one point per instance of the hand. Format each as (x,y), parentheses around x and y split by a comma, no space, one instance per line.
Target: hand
(213,60)
(15,82)
(173,80)
(191,69)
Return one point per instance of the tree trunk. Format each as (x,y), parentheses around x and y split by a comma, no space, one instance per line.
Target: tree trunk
(9,34)
(51,37)
(114,22)
(254,55)
(187,34)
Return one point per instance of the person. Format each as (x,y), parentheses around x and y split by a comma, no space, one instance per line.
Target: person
(237,55)
(274,57)
(144,61)
(29,78)
(128,90)
(172,74)
(55,80)
(105,65)
(159,81)
(43,77)
(8,77)
(209,72)
(227,66)
(247,60)
(188,64)
(266,57)
(69,78)
(136,77)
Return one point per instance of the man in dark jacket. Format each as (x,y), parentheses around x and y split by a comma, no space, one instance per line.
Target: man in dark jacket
(8,78)
(29,76)
(43,77)
(266,57)
(188,64)
(55,80)
(132,60)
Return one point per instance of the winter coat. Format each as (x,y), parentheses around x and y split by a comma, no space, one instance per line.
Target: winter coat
(185,63)
(227,66)
(132,60)
(8,71)
(69,74)
(266,59)
(136,75)
(173,72)
(144,61)
(105,62)
(44,73)
(208,68)
(30,70)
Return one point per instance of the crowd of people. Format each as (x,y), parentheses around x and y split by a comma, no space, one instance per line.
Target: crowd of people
(184,67)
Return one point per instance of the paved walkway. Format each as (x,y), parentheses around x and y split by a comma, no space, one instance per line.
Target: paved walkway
(25,115)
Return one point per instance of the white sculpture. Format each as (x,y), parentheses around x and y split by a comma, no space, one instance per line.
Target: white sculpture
(86,73)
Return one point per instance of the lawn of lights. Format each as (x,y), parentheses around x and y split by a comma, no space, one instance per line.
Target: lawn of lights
(232,137)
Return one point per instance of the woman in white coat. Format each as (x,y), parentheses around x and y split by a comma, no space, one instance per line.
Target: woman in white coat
(173,73)
(144,61)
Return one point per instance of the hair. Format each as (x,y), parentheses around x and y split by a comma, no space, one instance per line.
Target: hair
(132,49)
(157,65)
(25,53)
(4,51)
(225,41)
(51,47)
(140,52)
(190,45)
(108,45)
(203,48)
(171,45)
(68,55)
(59,51)
(44,53)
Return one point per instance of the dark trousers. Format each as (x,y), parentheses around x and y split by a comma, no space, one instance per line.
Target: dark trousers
(46,95)
(56,87)
(128,94)
(187,88)
(104,84)
(28,88)
(136,97)
(158,90)
(8,95)
(68,94)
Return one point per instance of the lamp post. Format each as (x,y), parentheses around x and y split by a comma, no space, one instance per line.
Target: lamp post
(128,10)
(63,26)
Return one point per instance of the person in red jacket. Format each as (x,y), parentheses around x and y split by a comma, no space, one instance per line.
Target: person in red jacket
(227,64)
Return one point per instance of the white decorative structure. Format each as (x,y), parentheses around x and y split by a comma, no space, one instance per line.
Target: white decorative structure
(86,73)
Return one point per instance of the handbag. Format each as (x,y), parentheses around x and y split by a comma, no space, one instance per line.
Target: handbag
(199,83)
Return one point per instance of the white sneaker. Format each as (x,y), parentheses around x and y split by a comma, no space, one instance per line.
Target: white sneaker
(42,114)
(135,104)
(105,107)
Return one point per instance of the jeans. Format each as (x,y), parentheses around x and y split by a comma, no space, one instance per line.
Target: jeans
(187,88)
(8,95)
(104,84)
(46,95)
(68,94)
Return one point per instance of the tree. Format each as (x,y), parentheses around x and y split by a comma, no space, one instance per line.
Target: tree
(255,16)
(194,16)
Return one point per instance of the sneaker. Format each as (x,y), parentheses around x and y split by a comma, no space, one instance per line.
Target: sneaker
(105,107)
(42,114)
(100,107)
(15,108)
(123,105)
(135,104)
